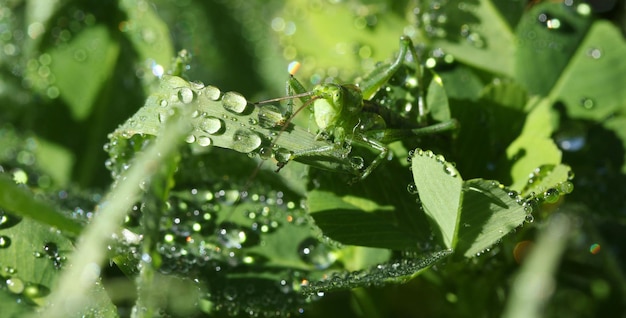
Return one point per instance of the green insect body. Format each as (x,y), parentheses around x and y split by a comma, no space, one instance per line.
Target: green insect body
(341,115)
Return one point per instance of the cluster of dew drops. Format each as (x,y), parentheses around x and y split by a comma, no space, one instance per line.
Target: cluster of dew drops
(10,276)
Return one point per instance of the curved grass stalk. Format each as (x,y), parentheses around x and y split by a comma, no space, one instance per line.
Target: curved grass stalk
(83,270)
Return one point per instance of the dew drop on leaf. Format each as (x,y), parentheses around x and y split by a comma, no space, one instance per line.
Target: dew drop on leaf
(211,92)
(231,236)
(265,153)
(357,162)
(245,141)
(411,188)
(594,53)
(5,241)
(204,141)
(529,218)
(566,187)
(51,249)
(449,169)
(185,95)
(15,285)
(313,252)
(234,102)
(587,103)
(190,139)
(282,155)
(211,125)
(551,195)
(270,117)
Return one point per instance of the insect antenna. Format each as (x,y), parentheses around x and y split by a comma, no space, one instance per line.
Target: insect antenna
(278,99)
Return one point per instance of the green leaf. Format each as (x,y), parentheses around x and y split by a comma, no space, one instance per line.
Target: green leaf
(357,221)
(488,214)
(32,257)
(90,56)
(439,187)
(591,84)
(548,177)
(357,46)
(488,126)
(148,33)
(534,147)
(397,271)
(470,39)
(548,34)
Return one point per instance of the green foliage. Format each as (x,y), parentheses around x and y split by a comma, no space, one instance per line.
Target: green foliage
(183,214)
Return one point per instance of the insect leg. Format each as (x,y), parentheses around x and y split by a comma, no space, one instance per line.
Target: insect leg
(375,144)
(381,75)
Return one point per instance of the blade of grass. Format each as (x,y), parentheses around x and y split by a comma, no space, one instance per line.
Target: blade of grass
(71,292)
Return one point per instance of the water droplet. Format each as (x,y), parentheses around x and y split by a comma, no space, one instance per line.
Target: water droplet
(265,153)
(185,95)
(51,249)
(204,141)
(35,290)
(282,155)
(5,241)
(163,103)
(190,139)
(245,141)
(211,125)
(271,117)
(594,53)
(231,236)
(551,195)
(570,175)
(357,162)
(234,102)
(587,103)
(314,252)
(411,188)
(211,92)
(529,218)
(15,285)
(566,187)
(449,169)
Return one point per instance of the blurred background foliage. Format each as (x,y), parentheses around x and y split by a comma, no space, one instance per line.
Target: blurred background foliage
(72,71)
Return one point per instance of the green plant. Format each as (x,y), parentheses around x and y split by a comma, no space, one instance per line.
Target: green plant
(192,227)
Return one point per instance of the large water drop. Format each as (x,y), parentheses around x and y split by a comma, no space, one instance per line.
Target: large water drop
(211,125)
(185,95)
(234,102)
(245,141)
